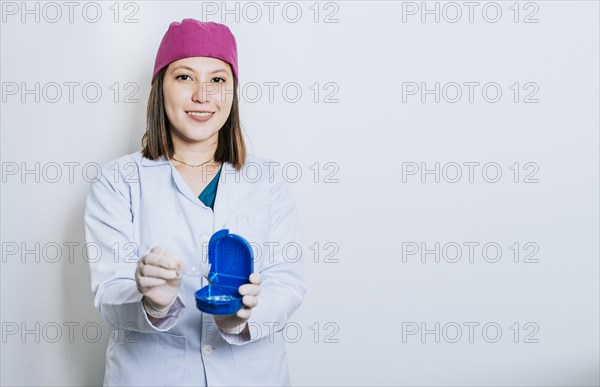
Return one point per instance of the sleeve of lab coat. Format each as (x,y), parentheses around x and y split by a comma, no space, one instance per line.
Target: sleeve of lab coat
(113,254)
(283,286)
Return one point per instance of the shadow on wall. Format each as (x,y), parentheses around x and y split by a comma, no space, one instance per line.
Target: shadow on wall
(85,356)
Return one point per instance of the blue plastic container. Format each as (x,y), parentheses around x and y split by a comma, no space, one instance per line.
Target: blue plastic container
(231,262)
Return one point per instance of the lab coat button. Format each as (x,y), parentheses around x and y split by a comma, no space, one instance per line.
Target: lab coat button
(207,349)
(205,239)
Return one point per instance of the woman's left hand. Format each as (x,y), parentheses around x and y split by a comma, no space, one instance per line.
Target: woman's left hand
(237,323)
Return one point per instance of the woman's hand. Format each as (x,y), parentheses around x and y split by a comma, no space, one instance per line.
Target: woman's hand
(156,278)
(236,323)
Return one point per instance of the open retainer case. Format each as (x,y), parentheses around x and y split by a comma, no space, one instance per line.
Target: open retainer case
(231,263)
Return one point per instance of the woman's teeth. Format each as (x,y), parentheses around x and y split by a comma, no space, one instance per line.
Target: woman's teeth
(199,114)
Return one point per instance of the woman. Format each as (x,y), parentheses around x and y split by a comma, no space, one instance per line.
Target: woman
(153,212)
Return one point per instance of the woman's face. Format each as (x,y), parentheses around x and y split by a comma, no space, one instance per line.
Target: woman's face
(198,94)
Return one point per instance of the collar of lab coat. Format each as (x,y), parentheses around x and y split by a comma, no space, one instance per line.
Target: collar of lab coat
(231,191)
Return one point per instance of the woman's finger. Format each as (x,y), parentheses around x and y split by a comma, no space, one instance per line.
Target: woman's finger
(249,290)
(255,278)
(149,282)
(168,262)
(243,313)
(140,267)
(158,272)
(250,301)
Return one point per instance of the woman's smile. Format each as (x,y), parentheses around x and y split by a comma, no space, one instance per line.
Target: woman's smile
(200,116)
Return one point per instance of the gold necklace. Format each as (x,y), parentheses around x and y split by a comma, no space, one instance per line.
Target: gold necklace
(193,166)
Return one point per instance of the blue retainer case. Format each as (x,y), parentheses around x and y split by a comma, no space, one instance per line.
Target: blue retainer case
(231,263)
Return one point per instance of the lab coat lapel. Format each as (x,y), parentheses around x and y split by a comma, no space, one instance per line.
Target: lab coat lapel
(231,191)
(181,185)
(175,176)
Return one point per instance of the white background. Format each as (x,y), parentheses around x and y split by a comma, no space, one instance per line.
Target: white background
(356,315)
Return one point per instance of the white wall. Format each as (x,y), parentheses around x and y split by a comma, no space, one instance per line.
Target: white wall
(363,306)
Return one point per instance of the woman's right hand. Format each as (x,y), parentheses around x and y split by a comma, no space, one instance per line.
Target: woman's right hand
(157,279)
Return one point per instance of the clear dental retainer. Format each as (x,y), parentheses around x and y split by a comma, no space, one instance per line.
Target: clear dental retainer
(231,262)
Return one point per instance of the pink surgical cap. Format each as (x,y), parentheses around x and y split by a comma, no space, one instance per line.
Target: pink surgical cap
(195,38)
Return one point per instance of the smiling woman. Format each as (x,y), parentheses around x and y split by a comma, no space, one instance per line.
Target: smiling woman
(200,101)
(184,88)
(193,95)
(190,184)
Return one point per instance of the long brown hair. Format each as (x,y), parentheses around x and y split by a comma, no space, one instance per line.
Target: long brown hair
(157,140)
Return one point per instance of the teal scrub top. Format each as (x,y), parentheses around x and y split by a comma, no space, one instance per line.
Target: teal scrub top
(208,195)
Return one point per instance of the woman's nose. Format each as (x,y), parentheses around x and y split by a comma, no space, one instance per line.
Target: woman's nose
(203,91)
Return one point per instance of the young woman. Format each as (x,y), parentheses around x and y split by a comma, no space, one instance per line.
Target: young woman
(152,213)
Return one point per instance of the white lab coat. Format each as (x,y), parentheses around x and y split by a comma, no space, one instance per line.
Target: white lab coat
(139,203)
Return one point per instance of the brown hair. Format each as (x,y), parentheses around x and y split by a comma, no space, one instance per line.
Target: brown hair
(157,140)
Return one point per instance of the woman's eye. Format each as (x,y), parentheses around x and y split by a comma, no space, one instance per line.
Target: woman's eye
(182,77)
(221,79)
